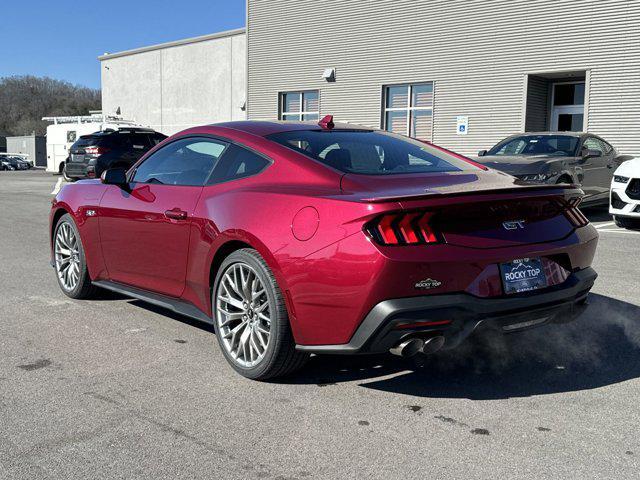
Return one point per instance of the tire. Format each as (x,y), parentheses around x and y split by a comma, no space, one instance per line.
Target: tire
(66,238)
(629,223)
(280,356)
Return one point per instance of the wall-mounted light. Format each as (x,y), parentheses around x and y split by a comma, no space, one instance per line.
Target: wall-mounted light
(329,74)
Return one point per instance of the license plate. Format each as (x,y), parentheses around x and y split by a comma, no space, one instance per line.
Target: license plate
(523,275)
(77,158)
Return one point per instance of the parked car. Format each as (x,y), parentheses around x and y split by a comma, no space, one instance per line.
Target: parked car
(292,238)
(625,194)
(583,159)
(5,164)
(92,154)
(15,163)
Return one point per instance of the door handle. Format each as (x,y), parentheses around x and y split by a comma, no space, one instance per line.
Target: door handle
(176,214)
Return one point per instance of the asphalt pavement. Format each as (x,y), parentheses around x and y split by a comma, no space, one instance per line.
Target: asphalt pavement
(114,388)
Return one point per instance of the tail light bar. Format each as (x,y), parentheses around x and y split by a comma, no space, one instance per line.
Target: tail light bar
(95,150)
(411,228)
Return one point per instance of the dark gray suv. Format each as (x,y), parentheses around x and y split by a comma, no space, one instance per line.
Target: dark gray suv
(92,154)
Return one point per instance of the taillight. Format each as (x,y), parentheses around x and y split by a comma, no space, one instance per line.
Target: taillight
(573,214)
(95,150)
(411,228)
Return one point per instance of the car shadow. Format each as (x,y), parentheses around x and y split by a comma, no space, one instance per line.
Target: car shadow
(104,295)
(600,348)
(171,314)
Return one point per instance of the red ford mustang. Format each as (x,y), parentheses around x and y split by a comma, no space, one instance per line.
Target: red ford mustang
(297,238)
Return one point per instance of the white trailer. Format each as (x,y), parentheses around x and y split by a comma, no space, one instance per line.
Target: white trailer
(64,131)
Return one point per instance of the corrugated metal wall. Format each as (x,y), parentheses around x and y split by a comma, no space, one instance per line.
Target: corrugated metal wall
(478,53)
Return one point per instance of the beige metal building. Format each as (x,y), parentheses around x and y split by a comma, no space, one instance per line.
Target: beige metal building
(462,73)
(176,85)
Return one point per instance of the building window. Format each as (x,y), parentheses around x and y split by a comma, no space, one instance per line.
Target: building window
(408,110)
(304,105)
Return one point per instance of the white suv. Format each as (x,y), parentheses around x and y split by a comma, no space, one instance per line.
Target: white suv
(624,202)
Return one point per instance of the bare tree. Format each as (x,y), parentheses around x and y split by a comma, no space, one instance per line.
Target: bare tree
(24,100)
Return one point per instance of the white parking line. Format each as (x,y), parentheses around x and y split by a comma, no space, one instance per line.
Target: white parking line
(598,227)
(618,230)
(58,186)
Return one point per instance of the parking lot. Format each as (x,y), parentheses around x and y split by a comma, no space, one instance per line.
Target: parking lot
(118,389)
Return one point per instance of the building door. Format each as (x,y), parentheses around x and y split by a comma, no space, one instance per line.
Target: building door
(567,107)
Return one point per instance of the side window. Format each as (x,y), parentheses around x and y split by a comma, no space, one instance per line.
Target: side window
(237,163)
(156,138)
(592,143)
(183,162)
(608,149)
(139,141)
(118,140)
(514,147)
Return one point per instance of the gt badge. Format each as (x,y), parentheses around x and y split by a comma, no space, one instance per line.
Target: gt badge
(428,284)
(513,225)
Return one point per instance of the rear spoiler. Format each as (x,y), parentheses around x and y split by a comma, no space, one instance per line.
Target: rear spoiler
(569,191)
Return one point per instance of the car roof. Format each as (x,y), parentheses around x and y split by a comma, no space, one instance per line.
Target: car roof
(264,128)
(111,131)
(549,134)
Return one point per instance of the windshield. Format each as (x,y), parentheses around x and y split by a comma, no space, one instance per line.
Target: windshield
(370,153)
(561,145)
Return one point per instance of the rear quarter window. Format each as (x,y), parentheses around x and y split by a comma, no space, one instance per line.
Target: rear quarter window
(237,162)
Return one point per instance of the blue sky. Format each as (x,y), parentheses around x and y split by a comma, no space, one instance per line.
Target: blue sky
(62,39)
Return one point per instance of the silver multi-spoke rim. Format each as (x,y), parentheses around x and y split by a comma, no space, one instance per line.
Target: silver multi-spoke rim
(243,314)
(67,255)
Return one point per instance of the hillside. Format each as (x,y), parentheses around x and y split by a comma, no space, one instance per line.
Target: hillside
(24,100)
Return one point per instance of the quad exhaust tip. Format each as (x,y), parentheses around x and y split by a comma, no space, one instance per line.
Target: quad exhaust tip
(432,345)
(414,345)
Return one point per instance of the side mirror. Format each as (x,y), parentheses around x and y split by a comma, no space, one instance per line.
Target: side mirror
(589,153)
(482,153)
(114,176)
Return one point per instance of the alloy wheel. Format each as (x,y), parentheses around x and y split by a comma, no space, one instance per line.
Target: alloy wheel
(243,315)
(67,256)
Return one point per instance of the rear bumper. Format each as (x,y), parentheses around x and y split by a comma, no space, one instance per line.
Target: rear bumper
(76,170)
(378,332)
(82,170)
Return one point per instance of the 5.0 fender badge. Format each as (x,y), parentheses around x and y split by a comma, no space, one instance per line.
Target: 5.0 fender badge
(428,284)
